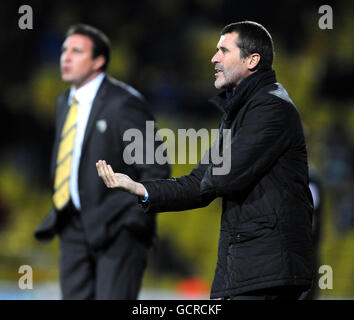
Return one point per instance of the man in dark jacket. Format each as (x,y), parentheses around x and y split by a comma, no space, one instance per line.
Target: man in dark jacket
(265,246)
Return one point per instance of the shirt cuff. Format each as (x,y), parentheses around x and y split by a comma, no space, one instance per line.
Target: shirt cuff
(146,197)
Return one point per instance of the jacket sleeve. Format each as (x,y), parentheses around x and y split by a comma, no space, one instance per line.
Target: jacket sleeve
(177,194)
(265,134)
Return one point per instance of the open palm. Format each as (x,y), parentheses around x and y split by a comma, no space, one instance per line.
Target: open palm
(118,180)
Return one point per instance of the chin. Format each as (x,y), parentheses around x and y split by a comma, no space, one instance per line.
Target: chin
(66,78)
(218,85)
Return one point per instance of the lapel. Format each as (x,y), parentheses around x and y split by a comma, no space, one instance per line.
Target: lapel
(97,105)
(63,108)
(63,105)
(62,111)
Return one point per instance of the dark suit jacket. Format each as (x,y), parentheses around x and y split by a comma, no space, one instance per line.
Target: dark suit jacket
(116,108)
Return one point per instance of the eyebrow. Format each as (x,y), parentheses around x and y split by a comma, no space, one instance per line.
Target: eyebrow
(223,49)
(74,48)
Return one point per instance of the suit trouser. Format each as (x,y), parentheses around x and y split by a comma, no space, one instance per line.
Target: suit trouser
(114,272)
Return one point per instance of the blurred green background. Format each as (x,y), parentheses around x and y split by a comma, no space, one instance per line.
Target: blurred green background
(163,48)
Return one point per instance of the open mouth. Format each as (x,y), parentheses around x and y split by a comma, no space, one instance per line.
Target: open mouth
(218,71)
(65,69)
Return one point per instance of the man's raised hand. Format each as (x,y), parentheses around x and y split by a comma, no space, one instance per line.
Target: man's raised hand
(118,180)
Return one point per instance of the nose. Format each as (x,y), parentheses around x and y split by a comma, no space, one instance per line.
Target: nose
(215,58)
(65,56)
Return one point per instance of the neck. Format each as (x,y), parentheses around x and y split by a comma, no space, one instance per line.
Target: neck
(86,80)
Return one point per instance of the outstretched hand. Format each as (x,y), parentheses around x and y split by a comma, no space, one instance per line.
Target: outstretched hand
(118,180)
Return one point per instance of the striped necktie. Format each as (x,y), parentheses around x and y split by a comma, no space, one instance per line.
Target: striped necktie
(65,154)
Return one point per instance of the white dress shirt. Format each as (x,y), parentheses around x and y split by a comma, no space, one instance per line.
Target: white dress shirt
(85,96)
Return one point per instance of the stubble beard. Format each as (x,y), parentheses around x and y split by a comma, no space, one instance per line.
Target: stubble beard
(224,85)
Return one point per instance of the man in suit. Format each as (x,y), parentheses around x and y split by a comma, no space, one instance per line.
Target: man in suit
(104,235)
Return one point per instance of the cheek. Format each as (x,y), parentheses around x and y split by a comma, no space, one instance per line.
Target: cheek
(61,59)
(85,65)
(80,67)
(235,70)
(229,72)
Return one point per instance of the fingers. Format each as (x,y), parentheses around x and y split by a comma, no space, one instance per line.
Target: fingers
(110,176)
(110,170)
(99,166)
(103,172)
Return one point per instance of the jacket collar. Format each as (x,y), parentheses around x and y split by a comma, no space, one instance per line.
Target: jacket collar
(97,103)
(227,101)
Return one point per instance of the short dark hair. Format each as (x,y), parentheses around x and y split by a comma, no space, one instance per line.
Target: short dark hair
(253,38)
(101,43)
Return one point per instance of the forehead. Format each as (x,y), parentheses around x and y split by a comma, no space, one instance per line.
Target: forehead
(78,40)
(228,40)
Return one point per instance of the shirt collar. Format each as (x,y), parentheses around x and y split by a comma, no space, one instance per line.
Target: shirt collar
(87,93)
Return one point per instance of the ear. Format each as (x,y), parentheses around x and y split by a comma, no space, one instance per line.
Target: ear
(253,60)
(99,62)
